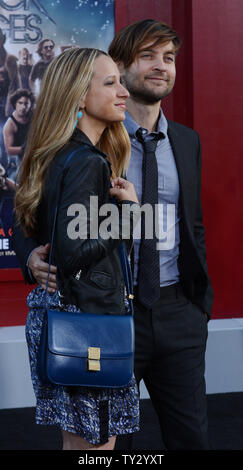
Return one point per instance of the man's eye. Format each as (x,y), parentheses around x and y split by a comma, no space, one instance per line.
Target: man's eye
(170,58)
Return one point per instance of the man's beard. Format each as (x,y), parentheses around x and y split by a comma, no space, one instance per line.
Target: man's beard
(144,95)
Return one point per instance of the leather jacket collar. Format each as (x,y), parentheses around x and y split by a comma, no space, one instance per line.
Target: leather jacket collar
(81,138)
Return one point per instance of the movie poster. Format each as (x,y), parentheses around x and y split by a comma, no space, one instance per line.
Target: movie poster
(32,33)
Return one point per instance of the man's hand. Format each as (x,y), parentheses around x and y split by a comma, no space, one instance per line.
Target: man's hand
(39,268)
(206,316)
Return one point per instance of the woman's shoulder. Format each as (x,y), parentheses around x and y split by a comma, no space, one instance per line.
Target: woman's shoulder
(84,143)
(78,164)
(78,157)
(74,156)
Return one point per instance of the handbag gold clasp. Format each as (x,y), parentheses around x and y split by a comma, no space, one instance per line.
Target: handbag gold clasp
(93,359)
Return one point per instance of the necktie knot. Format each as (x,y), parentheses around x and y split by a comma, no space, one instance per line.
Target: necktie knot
(149,141)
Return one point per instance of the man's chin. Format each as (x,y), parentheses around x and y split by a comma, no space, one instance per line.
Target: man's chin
(149,98)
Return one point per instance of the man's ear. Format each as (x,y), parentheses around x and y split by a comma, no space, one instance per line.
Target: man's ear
(122,72)
(121,67)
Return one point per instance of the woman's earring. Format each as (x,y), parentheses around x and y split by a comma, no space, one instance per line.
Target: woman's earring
(79,115)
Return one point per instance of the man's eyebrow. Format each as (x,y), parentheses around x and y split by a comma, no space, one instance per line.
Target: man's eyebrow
(147,49)
(170,52)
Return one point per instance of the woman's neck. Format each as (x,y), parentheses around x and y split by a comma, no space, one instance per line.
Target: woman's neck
(93,132)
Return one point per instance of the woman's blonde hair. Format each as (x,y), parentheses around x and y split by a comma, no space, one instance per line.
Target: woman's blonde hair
(64,84)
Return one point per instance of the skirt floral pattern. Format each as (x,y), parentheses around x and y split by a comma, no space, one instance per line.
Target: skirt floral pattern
(92,413)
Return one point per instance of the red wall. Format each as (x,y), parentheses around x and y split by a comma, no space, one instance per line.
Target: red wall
(217,110)
(208,96)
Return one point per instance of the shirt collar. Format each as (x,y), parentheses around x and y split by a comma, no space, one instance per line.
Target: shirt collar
(132,126)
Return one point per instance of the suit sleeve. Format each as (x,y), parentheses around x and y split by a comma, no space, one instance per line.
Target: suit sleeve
(23,246)
(199,233)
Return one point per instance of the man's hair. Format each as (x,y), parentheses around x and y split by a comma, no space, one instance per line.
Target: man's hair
(128,41)
(40,45)
(19,93)
(25,50)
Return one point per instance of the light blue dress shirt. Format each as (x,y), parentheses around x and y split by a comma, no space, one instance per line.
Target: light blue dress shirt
(168,199)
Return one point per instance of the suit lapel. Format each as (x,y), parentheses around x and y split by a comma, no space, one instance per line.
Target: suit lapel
(181,150)
(177,145)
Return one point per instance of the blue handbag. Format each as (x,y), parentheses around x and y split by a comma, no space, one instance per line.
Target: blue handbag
(87,349)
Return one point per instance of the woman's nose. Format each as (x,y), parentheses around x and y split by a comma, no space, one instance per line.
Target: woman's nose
(123,91)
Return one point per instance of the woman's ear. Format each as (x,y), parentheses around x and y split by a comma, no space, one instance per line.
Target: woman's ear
(81,104)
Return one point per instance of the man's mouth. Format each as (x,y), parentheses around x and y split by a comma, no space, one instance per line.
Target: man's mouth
(159,79)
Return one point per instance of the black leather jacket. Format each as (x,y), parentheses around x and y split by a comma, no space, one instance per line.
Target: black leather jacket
(89,272)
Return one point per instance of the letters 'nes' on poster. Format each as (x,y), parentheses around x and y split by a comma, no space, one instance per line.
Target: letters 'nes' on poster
(32,33)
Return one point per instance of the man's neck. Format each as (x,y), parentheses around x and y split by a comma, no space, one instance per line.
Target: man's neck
(146,115)
(21,119)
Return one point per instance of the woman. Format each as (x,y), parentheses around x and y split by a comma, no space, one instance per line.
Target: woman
(83,84)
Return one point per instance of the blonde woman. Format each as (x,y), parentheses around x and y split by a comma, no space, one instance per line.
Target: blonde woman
(81,89)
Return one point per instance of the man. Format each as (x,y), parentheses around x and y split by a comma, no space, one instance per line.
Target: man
(24,67)
(7,190)
(46,53)
(4,84)
(9,80)
(16,128)
(173,294)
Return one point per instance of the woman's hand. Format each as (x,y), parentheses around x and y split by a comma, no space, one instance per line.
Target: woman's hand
(123,190)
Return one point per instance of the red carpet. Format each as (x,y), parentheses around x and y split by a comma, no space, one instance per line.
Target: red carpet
(13,309)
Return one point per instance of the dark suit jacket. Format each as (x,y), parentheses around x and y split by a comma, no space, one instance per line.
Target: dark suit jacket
(192,262)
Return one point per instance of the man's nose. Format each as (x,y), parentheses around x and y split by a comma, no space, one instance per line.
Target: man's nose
(159,63)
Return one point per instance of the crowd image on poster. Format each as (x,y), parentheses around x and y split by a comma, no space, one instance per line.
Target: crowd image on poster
(32,33)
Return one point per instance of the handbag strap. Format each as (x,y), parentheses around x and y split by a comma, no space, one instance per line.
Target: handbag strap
(127,275)
(59,185)
(125,265)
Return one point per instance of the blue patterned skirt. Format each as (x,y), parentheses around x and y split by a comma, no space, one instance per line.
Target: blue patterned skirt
(92,413)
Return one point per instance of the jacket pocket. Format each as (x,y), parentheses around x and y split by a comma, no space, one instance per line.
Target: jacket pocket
(103,280)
